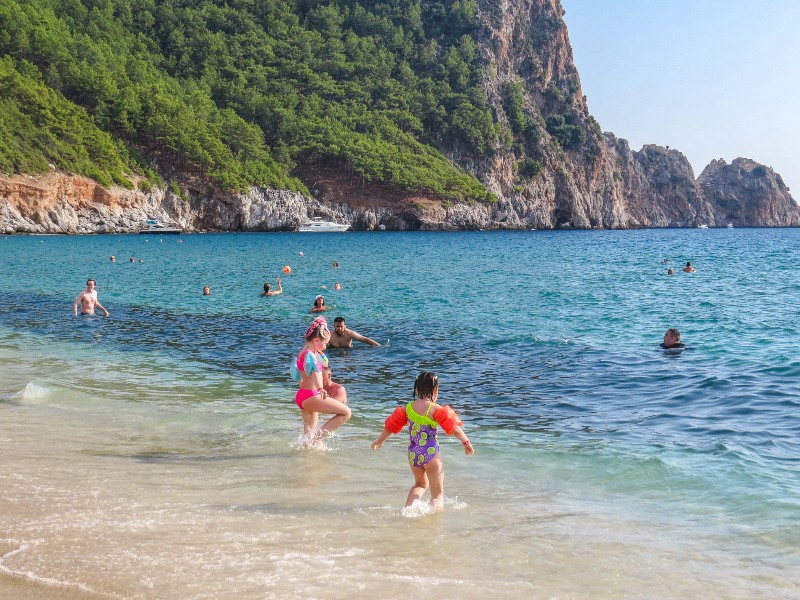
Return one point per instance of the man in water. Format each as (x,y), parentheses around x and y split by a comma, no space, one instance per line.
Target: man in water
(342,337)
(88,300)
(269,292)
(672,339)
(689,268)
(335,390)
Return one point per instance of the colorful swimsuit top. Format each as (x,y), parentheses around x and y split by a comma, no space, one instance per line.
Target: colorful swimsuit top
(307,362)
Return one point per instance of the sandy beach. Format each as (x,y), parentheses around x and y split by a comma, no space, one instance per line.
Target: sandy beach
(20,588)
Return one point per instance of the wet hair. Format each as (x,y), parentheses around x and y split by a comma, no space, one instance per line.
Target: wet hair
(318,329)
(266,287)
(338,320)
(322,298)
(425,385)
(674,333)
(688,264)
(90,279)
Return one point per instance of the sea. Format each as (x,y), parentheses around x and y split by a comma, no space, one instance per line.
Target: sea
(156,453)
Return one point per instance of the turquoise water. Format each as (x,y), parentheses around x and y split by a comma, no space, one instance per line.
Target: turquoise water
(545,342)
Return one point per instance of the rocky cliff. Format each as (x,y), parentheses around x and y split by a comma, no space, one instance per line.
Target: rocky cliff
(560,171)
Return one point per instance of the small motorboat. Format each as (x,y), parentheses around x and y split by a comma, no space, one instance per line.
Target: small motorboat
(702,226)
(155,227)
(317,224)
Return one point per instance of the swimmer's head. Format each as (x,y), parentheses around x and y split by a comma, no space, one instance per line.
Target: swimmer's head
(266,287)
(319,301)
(672,337)
(338,325)
(318,330)
(91,283)
(426,385)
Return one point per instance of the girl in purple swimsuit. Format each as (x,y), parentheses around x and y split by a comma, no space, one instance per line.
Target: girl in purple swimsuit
(423,417)
(311,398)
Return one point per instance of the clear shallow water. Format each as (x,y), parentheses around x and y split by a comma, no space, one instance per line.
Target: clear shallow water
(605,467)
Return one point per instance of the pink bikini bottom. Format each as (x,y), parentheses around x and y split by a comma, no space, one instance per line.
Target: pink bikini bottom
(303,395)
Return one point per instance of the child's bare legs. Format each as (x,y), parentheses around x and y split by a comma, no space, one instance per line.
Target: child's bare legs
(431,474)
(419,487)
(435,473)
(310,420)
(317,404)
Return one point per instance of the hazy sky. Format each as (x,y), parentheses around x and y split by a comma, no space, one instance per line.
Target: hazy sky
(711,78)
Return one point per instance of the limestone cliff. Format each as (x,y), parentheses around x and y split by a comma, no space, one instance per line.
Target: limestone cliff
(559,171)
(747,194)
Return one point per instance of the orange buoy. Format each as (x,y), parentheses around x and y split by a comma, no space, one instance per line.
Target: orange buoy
(287,269)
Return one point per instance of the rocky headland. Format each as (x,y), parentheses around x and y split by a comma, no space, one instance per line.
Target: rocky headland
(573,175)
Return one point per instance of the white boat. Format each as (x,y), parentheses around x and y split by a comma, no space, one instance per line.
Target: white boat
(317,224)
(152,226)
(702,226)
(729,226)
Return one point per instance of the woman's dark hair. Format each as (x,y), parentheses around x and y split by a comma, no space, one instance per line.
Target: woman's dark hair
(266,287)
(426,384)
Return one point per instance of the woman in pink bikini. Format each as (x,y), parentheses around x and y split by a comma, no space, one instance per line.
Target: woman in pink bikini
(312,397)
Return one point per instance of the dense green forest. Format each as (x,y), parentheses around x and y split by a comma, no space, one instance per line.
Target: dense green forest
(241,92)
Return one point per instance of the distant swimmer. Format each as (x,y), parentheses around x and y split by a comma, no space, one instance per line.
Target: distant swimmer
(113,258)
(342,337)
(337,286)
(88,300)
(689,268)
(312,398)
(670,272)
(319,305)
(133,259)
(672,340)
(270,292)
(335,390)
(335,265)
(206,291)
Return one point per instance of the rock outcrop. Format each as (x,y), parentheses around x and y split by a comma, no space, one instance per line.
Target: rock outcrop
(747,194)
(561,171)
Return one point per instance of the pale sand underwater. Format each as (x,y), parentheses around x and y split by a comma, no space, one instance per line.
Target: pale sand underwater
(153,500)
(20,588)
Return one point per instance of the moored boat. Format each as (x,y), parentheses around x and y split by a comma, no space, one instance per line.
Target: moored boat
(317,224)
(156,227)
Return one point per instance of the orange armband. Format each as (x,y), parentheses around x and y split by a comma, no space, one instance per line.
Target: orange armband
(397,420)
(447,418)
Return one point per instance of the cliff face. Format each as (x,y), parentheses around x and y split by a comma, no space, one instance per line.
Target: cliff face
(560,171)
(746,193)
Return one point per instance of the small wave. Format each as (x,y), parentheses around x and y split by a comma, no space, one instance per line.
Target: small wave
(34,391)
(421,508)
(315,443)
(40,579)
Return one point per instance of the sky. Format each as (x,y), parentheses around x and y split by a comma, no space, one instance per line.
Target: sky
(710,78)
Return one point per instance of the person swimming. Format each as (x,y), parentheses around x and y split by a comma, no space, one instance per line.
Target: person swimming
(319,304)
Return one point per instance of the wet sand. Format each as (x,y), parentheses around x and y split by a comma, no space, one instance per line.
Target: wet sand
(20,588)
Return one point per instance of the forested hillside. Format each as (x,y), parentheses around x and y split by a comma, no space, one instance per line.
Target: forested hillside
(240,92)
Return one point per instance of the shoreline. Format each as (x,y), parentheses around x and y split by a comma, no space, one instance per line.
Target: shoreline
(23,588)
